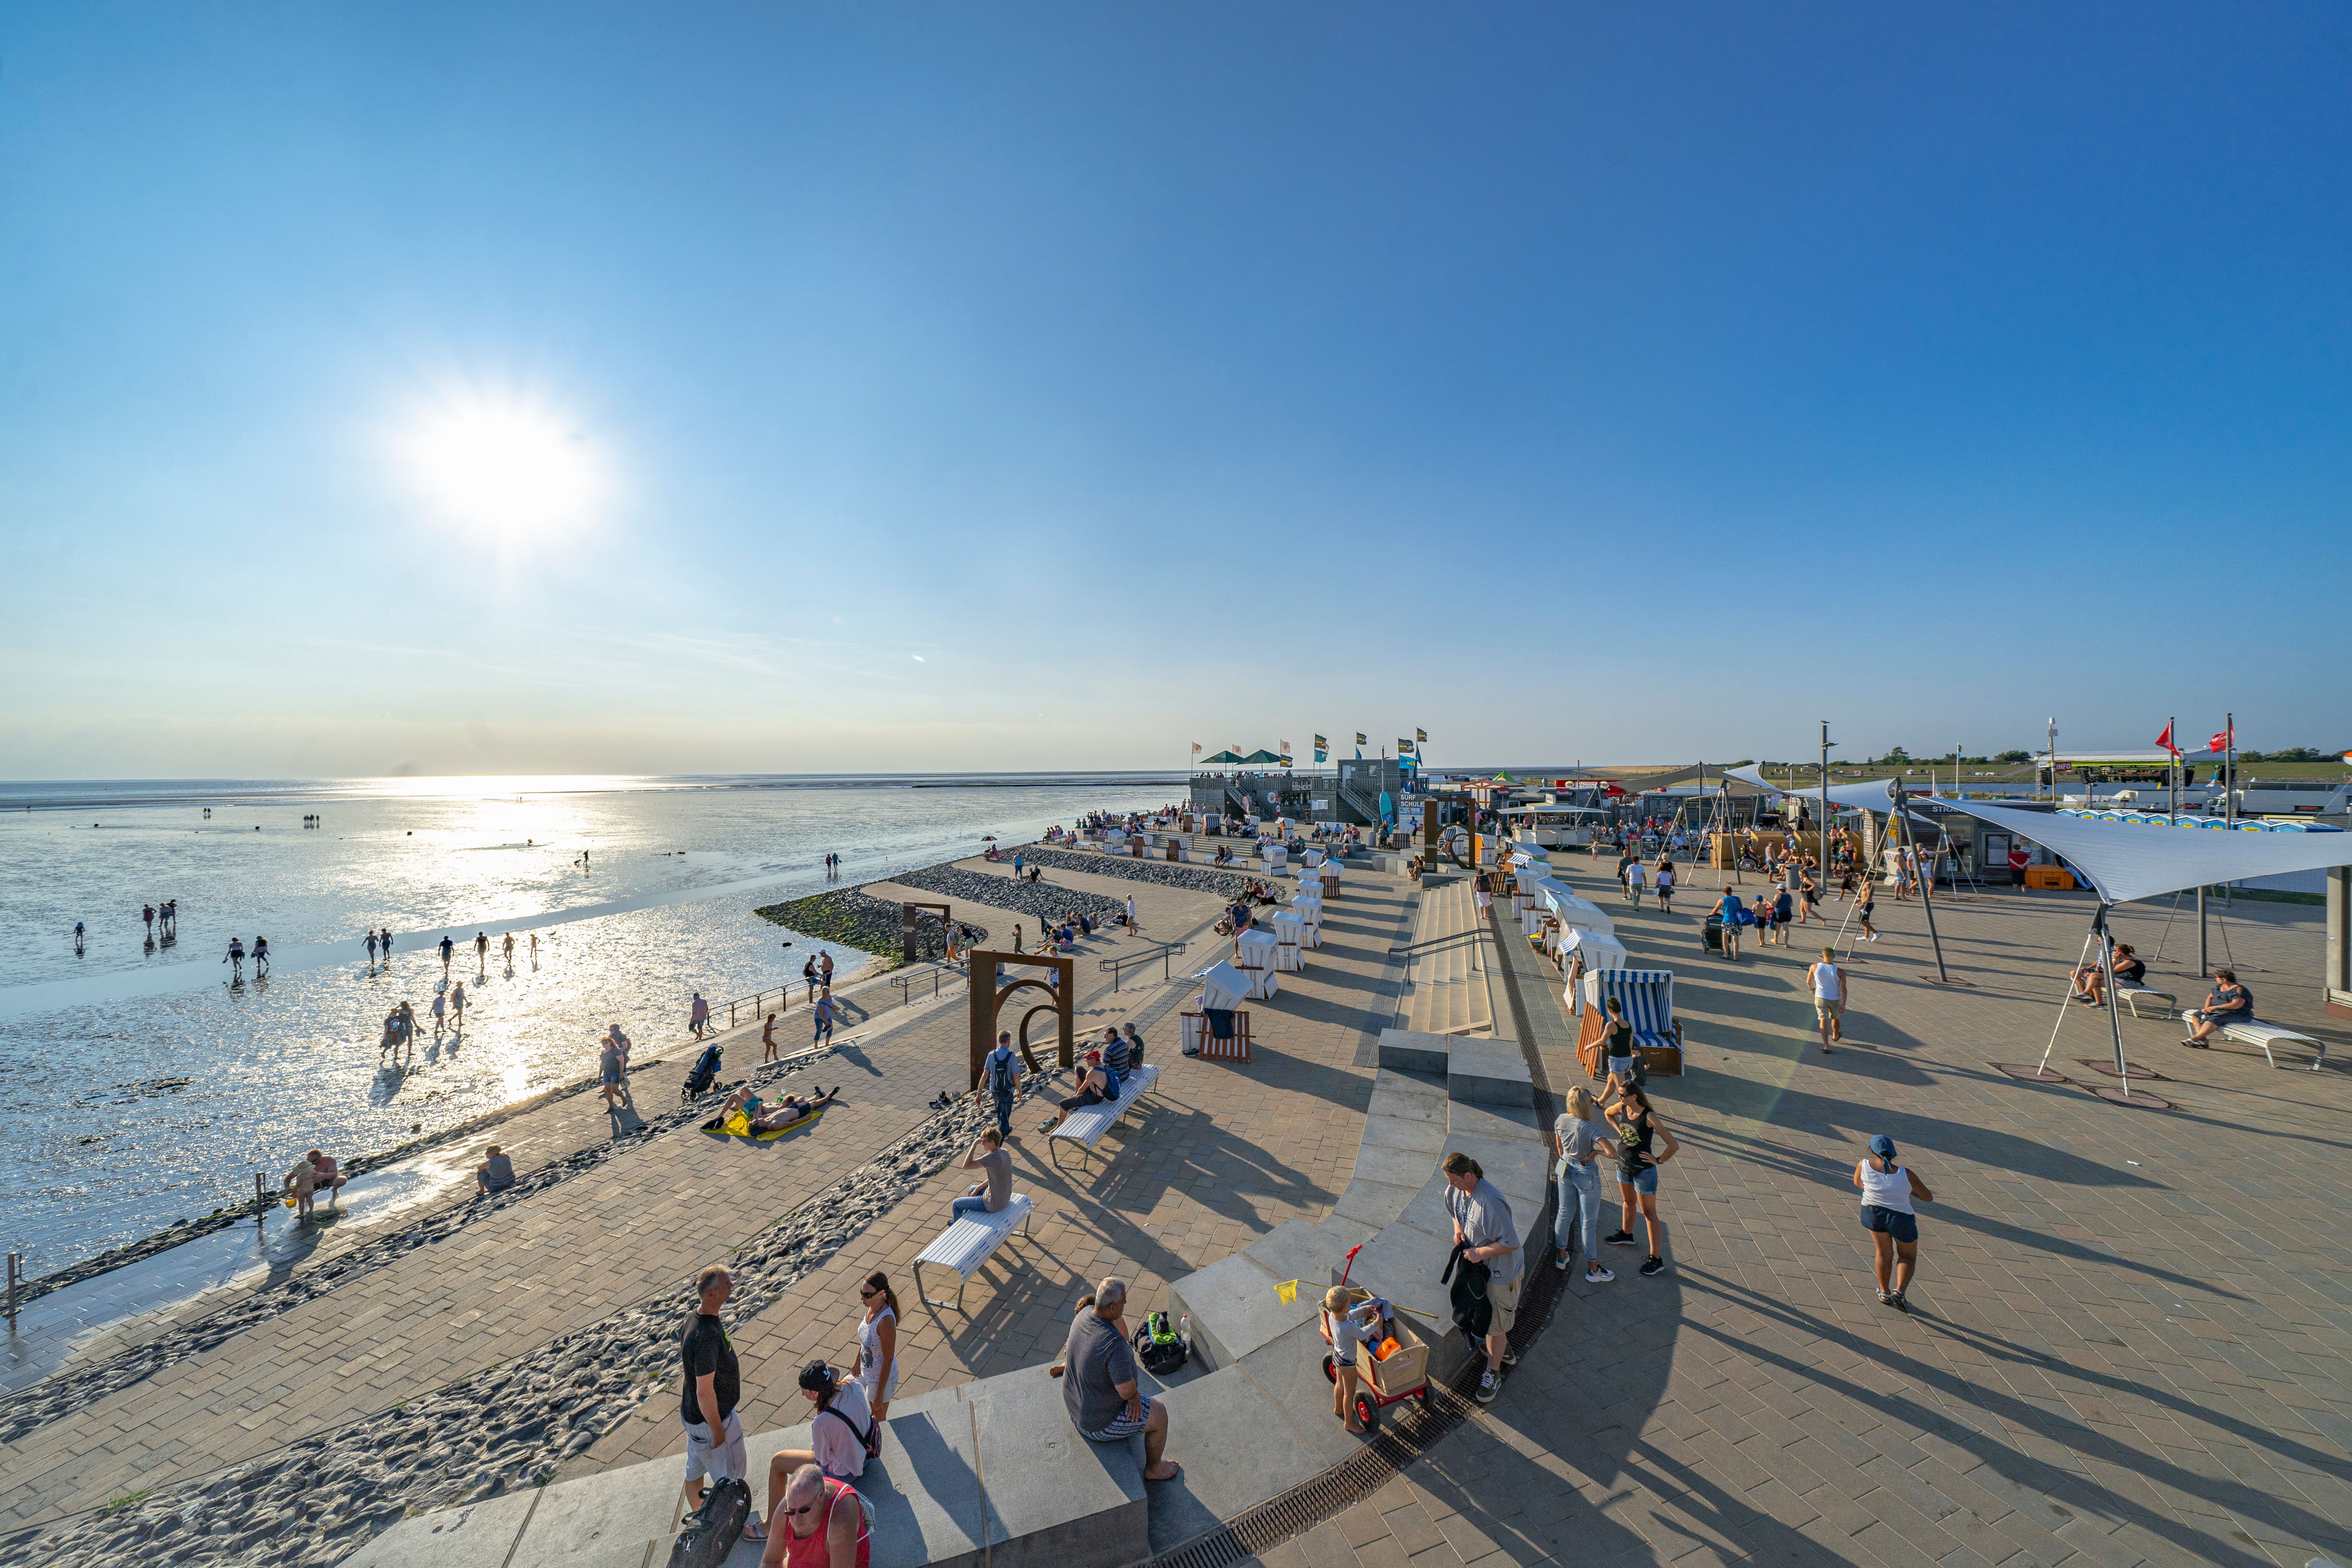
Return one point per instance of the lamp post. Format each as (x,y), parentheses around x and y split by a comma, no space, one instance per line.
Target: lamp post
(1825,803)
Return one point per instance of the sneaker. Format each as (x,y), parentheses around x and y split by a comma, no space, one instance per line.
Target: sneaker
(1619,1239)
(1597,1275)
(1656,1265)
(1560,1261)
(1489,1386)
(1510,1358)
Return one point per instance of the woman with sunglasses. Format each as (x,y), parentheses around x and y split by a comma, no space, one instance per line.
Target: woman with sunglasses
(877,1342)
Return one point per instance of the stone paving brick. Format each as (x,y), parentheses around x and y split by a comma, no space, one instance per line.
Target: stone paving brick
(2115,1354)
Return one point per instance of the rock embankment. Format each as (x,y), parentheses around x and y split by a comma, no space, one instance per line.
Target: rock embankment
(855,918)
(314,1503)
(1045,900)
(1193,878)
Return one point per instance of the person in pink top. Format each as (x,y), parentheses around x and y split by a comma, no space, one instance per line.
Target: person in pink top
(824,1525)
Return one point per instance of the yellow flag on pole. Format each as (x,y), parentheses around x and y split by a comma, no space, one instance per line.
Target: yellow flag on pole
(1289,1291)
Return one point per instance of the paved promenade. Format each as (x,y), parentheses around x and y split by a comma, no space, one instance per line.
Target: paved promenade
(2129,1329)
(2128,1342)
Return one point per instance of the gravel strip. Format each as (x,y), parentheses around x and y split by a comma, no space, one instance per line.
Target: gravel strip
(1047,901)
(1193,878)
(855,918)
(318,1500)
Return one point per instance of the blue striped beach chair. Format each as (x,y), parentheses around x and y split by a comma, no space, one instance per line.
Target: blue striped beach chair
(1647,997)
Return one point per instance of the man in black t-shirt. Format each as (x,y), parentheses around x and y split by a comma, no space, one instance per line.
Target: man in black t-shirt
(714,1433)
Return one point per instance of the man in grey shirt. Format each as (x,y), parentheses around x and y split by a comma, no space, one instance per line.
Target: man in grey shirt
(1099,1387)
(990,1194)
(1484,1229)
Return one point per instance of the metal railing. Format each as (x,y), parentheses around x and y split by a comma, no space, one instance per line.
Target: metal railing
(911,985)
(757,1001)
(1117,966)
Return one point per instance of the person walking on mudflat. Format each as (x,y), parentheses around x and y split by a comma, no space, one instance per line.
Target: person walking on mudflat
(481,951)
(1888,1191)
(448,949)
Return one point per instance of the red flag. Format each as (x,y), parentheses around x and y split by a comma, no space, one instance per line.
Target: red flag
(2165,741)
(2222,742)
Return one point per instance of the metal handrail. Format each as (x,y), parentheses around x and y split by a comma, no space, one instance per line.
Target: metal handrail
(756,1001)
(1115,966)
(906,982)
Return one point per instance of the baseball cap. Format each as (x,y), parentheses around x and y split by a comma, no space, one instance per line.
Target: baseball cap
(1883,1146)
(817,1377)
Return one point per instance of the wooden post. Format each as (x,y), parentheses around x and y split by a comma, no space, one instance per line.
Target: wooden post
(15,1273)
(260,1204)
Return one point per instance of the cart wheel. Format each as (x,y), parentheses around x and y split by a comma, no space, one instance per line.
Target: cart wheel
(1366,1411)
(1329,1375)
(1428,1399)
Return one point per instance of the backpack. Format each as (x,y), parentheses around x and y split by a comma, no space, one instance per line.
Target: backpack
(714,1528)
(1158,1346)
(1004,1075)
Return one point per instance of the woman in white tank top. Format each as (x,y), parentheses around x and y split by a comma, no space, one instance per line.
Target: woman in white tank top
(877,1342)
(1888,1191)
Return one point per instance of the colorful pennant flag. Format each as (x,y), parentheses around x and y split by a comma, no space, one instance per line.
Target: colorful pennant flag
(1404,747)
(2224,740)
(2165,741)
(1361,739)
(1420,734)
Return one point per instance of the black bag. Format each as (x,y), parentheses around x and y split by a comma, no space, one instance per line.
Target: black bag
(1473,1313)
(870,1439)
(713,1528)
(1158,1347)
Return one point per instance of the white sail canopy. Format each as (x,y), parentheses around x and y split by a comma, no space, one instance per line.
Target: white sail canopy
(2127,860)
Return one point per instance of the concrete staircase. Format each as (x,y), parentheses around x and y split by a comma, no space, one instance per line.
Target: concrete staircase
(1449,965)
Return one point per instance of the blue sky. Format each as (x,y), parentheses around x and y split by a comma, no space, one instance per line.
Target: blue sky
(1005,386)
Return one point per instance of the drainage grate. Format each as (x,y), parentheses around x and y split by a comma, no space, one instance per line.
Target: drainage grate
(1398,1441)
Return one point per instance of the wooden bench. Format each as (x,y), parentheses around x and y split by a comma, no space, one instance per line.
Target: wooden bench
(2263,1037)
(1086,1126)
(2132,995)
(970,1242)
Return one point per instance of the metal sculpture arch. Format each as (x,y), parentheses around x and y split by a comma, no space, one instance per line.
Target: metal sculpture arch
(988,999)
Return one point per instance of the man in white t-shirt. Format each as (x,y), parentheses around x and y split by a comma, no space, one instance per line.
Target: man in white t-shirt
(1635,874)
(1830,986)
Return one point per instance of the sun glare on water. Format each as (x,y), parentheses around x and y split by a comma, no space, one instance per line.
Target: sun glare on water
(506,466)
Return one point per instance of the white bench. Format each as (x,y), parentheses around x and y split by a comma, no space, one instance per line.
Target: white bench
(970,1242)
(2132,995)
(2254,1032)
(1086,1126)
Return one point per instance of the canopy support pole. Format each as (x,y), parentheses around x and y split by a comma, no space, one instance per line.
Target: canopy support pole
(2204,957)
(2115,1024)
(1928,889)
(2066,999)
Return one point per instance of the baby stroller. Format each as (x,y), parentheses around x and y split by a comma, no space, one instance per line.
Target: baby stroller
(706,1072)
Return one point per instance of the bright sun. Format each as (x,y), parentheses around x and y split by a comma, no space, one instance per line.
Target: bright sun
(504,466)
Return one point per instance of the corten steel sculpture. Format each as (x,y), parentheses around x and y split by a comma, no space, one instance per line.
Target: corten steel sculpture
(988,1001)
(907,925)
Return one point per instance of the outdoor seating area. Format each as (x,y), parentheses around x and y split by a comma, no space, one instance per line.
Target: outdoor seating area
(2263,1036)
(970,1242)
(1647,997)
(1086,1126)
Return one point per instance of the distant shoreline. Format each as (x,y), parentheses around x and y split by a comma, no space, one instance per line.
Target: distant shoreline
(22,795)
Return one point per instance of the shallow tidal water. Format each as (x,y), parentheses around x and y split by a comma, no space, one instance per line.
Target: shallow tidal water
(140,1086)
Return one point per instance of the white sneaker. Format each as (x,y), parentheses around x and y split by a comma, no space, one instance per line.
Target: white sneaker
(1597,1275)
(1489,1386)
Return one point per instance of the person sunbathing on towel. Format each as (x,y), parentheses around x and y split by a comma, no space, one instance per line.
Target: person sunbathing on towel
(792,1109)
